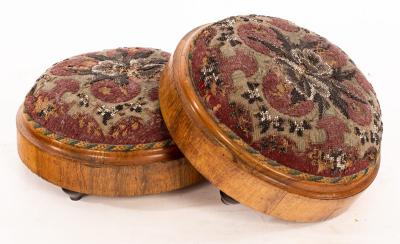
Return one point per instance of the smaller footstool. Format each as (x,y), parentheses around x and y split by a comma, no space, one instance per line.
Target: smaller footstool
(92,125)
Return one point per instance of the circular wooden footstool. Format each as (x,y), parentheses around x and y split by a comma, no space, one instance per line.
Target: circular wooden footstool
(274,115)
(92,125)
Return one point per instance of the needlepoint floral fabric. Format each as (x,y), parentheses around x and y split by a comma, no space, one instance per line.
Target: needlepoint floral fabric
(108,97)
(289,93)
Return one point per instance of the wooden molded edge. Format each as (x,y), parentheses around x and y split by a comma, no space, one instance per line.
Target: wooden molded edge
(89,156)
(106,180)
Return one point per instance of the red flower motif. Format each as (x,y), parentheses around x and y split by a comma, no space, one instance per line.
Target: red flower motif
(261,33)
(80,65)
(333,56)
(364,82)
(283,24)
(278,94)
(358,112)
(109,91)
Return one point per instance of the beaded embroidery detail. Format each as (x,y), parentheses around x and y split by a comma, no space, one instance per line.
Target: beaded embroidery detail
(289,94)
(102,97)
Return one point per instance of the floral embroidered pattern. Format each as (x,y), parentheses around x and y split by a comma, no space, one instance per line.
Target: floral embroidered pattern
(102,97)
(312,78)
(210,72)
(227,34)
(299,127)
(252,94)
(289,94)
(266,120)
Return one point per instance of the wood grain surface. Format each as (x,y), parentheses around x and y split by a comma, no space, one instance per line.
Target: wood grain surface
(103,173)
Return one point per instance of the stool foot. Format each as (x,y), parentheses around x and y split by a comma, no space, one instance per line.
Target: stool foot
(74,196)
(227,199)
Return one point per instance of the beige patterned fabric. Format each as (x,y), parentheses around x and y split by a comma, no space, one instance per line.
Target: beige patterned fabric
(102,97)
(288,93)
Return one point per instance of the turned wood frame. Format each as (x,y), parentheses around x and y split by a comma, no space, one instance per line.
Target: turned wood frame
(101,172)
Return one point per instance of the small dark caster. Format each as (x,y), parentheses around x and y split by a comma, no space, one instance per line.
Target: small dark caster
(227,199)
(74,196)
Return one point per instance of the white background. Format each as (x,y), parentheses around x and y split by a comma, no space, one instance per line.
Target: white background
(36,34)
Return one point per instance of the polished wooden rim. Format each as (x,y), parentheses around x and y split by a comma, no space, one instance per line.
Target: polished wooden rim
(103,173)
(93,157)
(178,73)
